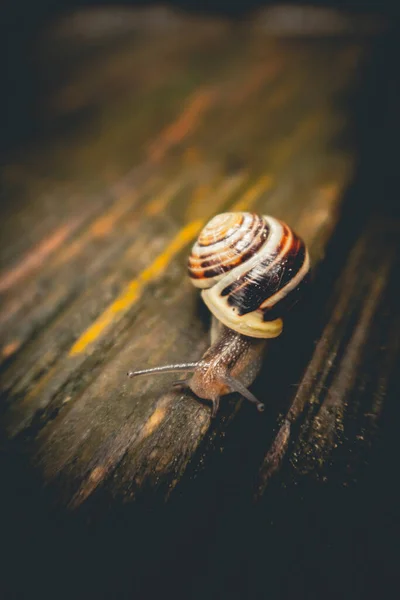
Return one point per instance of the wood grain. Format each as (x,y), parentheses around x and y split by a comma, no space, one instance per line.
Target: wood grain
(336,411)
(180,127)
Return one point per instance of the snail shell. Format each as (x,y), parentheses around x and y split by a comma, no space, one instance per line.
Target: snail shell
(251,269)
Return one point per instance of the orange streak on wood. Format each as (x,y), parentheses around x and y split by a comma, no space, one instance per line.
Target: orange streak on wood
(158,203)
(259,76)
(182,126)
(253,193)
(93,481)
(37,255)
(10,348)
(97,475)
(154,421)
(105,224)
(123,441)
(101,227)
(135,288)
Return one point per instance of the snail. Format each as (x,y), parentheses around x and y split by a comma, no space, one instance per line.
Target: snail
(251,270)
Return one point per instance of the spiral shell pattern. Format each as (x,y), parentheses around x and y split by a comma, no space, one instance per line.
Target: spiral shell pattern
(252,269)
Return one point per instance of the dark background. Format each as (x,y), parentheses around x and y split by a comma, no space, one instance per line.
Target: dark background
(346,541)
(22,21)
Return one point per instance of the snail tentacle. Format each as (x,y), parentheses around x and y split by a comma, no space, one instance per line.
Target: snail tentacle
(188,367)
(236,386)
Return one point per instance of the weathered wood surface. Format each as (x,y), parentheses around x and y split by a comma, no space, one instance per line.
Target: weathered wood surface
(166,128)
(341,396)
(325,524)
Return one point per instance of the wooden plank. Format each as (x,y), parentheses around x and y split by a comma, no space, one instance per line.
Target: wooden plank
(102,288)
(336,411)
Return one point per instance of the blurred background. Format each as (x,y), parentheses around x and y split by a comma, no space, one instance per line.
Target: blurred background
(23,24)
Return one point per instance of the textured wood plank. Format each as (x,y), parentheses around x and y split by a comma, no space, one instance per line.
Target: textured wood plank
(250,123)
(335,413)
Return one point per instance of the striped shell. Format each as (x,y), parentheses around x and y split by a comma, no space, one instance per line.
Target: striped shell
(251,269)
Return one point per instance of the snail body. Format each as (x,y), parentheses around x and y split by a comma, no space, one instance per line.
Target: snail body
(251,270)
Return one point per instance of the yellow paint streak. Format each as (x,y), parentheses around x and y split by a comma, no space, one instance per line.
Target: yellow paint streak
(134,289)
(253,193)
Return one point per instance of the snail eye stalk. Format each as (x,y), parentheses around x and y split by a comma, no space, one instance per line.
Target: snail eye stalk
(187,367)
(237,386)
